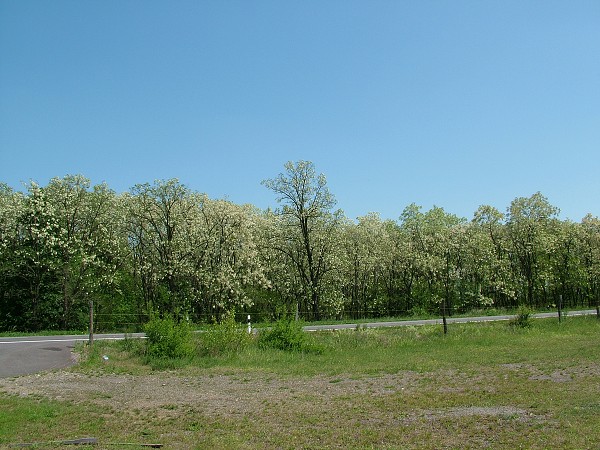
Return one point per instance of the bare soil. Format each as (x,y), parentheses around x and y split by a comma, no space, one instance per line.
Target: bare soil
(230,395)
(220,394)
(402,408)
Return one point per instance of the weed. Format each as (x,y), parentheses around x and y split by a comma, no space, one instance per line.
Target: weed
(227,337)
(286,334)
(168,340)
(522,318)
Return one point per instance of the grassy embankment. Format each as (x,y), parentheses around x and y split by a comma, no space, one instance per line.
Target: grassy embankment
(483,385)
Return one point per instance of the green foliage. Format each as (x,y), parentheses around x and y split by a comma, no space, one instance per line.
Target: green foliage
(308,239)
(419,312)
(163,246)
(132,345)
(523,317)
(226,337)
(286,334)
(167,339)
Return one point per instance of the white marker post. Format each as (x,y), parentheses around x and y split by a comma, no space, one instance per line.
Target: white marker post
(91,338)
(249,325)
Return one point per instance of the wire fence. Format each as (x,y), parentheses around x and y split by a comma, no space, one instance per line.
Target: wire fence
(134,322)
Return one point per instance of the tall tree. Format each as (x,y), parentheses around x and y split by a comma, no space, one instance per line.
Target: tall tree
(158,231)
(590,255)
(566,276)
(362,253)
(284,287)
(223,262)
(13,288)
(65,252)
(308,226)
(492,271)
(36,260)
(530,222)
(85,248)
(438,239)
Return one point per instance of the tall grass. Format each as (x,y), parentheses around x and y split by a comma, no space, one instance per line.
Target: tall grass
(386,350)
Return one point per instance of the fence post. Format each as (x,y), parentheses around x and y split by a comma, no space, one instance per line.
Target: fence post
(444,321)
(91,340)
(560,308)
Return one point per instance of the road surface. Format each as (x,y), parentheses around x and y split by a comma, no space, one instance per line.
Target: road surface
(407,323)
(32,354)
(21,357)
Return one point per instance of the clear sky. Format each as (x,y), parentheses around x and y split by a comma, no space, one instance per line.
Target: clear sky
(447,103)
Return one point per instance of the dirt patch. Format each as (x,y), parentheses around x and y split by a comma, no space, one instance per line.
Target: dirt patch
(503,411)
(221,394)
(278,411)
(226,395)
(556,376)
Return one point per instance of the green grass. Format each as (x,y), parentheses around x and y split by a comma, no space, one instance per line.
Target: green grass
(27,420)
(482,385)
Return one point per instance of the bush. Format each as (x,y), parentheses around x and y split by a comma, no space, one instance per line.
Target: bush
(419,311)
(286,334)
(168,339)
(224,338)
(522,318)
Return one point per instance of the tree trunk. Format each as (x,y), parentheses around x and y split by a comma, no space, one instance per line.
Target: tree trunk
(315,306)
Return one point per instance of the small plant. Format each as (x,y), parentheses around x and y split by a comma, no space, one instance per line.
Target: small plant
(286,334)
(129,344)
(523,317)
(419,312)
(168,339)
(224,338)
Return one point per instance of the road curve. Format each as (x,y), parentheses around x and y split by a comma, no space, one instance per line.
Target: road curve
(32,354)
(22,357)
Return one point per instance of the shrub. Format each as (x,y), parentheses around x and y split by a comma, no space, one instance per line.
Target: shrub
(523,317)
(168,339)
(419,311)
(224,338)
(286,334)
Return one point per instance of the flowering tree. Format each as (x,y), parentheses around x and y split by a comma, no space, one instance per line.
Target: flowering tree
(158,229)
(223,260)
(62,250)
(307,227)
(531,224)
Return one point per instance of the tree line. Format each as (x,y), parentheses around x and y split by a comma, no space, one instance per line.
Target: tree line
(162,248)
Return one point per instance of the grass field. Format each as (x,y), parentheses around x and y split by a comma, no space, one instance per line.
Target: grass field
(481,386)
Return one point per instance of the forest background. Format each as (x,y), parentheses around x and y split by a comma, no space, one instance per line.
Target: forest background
(162,248)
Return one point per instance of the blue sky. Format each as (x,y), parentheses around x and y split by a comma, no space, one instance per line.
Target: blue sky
(447,103)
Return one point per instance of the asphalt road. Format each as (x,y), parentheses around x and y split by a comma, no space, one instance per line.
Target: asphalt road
(449,320)
(32,354)
(23,357)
